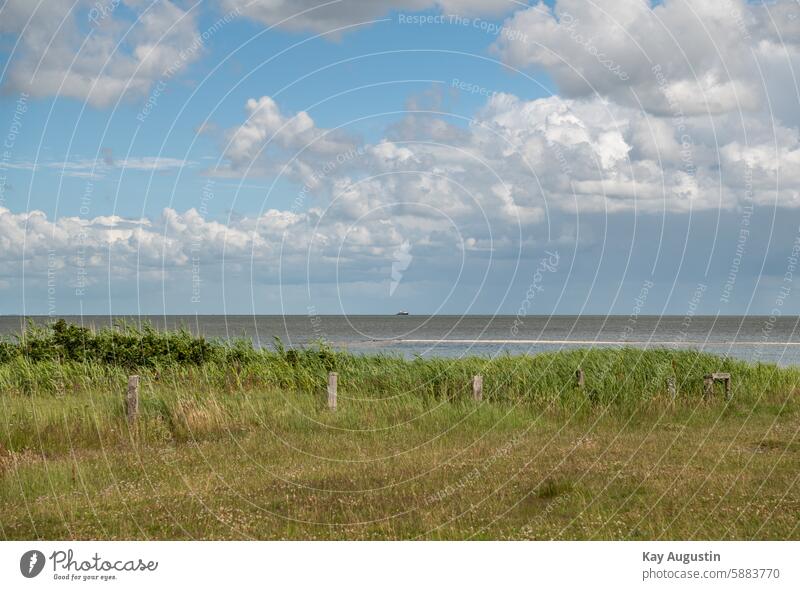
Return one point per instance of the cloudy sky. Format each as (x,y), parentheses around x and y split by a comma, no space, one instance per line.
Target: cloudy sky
(267,156)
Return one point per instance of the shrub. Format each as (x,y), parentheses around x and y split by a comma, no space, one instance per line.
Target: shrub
(123,345)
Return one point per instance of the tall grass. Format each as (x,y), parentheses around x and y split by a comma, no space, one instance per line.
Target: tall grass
(63,385)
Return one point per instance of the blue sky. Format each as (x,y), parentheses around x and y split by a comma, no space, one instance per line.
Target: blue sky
(255,157)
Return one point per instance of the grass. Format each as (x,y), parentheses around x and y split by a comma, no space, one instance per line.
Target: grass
(233,443)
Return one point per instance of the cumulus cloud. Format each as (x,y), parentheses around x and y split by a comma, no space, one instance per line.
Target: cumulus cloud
(518,158)
(693,56)
(56,56)
(279,245)
(130,244)
(268,130)
(617,158)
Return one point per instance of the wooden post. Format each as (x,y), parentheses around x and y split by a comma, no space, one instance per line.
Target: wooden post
(579,378)
(712,378)
(132,399)
(708,385)
(726,380)
(332,383)
(477,388)
(671,389)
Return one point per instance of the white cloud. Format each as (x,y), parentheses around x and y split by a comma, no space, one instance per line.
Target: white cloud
(84,250)
(149,163)
(519,158)
(266,127)
(693,56)
(88,168)
(620,158)
(55,56)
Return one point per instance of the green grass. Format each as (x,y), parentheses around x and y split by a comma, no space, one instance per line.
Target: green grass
(237,443)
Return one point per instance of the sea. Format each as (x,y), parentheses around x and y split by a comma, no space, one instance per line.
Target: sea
(752,338)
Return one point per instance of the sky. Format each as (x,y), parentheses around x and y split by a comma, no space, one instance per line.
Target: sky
(350,157)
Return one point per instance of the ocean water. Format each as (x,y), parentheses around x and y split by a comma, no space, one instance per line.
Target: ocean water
(752,338)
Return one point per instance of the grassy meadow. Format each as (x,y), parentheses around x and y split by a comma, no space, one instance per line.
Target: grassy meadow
(237,443)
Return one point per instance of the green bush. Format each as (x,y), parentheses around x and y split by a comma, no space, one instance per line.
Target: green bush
(8,351)
(123,345)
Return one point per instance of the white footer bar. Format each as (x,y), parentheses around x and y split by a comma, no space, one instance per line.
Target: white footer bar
(401,565)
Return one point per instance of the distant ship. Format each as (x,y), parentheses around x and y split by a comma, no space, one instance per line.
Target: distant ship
(402,312)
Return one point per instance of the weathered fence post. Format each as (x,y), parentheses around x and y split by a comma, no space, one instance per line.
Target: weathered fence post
(708,385)
(726,380)
(579,378)
(132,399)
(332,383)
(477,388)
(711,378)
(671,389)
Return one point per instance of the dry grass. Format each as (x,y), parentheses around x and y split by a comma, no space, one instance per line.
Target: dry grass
(271,463)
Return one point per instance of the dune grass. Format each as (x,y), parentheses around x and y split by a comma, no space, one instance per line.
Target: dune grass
(237,443)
